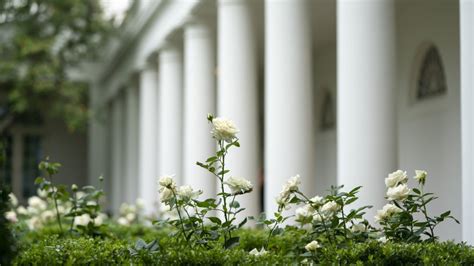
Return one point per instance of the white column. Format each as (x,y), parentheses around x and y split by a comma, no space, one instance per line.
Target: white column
(131,142)
(238,93)
(367,134)
(118,151)
(467,109)
(199,100)
(148,95)
(170,112)
(289,108)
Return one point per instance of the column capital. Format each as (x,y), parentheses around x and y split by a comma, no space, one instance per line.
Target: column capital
(197,27)
(169,52)
(148,66)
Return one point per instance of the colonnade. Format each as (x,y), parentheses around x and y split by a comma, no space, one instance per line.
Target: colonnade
(191,77)
(213,67)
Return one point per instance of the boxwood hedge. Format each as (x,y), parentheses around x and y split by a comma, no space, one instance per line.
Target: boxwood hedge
(46,248)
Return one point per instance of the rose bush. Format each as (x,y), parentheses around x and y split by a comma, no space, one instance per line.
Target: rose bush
(305,229)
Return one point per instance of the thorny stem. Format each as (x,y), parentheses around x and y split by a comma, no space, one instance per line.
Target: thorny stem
(344,220)
(200,216)
(230,206)
(271,233)
(425,213)
(320,215)
(179,215)
(74,208)
(55,196)
(224,196)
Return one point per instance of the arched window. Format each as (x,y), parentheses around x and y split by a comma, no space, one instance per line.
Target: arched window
(431,78)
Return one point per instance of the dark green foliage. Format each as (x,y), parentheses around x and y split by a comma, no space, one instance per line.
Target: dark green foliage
(41,42)
(7,244)
(285,249)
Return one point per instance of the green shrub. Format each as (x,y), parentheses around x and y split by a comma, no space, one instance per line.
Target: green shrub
(284,249)
(71,251)
(7,243)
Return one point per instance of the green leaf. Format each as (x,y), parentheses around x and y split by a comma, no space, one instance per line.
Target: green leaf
(351,200)
(242,223)
(152,246)
(211,159)
(223,172)
(215,220)
(355,190)
(140,244)
(235,204)
(445,214)
(205,166)
(39,180)
(231,242)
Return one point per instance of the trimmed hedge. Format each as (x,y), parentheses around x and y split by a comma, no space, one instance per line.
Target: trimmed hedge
(49,249)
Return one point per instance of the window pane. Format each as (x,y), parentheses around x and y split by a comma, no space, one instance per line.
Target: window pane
(31,158)
(6,145)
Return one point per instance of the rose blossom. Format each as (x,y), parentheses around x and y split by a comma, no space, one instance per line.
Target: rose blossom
(223,129)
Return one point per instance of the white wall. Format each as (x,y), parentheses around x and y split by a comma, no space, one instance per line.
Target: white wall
(57,142)
(68,148)
(429,131)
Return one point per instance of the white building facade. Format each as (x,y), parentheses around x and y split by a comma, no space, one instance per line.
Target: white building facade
(339,92)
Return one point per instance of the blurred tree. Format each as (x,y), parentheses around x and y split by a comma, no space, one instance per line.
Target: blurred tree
(41,43)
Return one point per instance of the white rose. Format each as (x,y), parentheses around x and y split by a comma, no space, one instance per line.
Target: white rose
(312,246)
(382,239)
(304,214)
(132,208)
(239,185)
(257,253)
(122,221)
(42,193)
(395,178)
(318,217)
(186,193)
(420,176)
(165,194)
(11,216)
(91,203)
(387,211)
(99,220)
(32,211)
(399,192)
(359,228)
(130,216)
(167,181)
(61,209)
(34,223)
(21,210)
(318,200)
(282,201)
(80,194)
(48,215)
(123,208)
(292,183)
(13,199)
(330,208)
(37,203)
(140,203)
(223,129)
(82,220)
